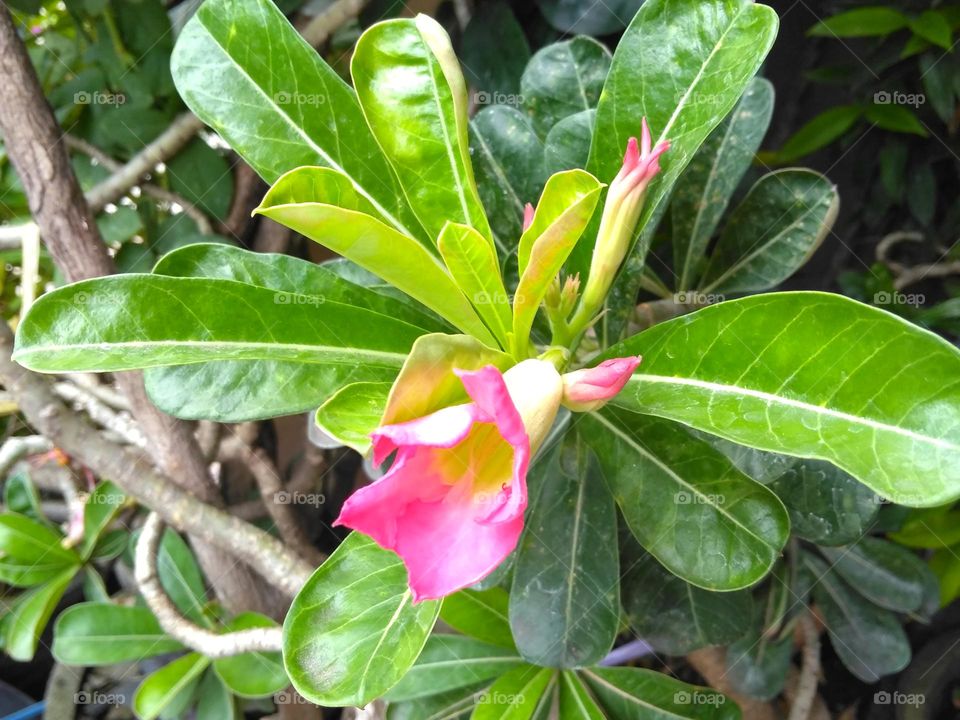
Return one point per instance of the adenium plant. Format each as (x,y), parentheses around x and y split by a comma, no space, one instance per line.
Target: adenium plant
(494,379)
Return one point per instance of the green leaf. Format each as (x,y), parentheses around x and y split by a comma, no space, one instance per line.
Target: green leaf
(826,505)
(451,705)
(516,695)
(576,702)
(452,661)
(676,617)
(414,98)
(564,601)
(481,614)
(280,115)
(932,528)
(252,674)
(685,83)
(30,613)
(795,373)
(897,118)
(472,261)
(20,494)
(635,694)
(686,502)
(427,381)
(272,387)
(169,689)
(773,232)
(573,16)
(299,201)
(87,326)
(758,666)
(119,226)
(563,79)
(562,214)
(819,132)
(568,143)
(508,161)
(214,701)
(493,74)
(27,573)
(934,27)
(704,190)
(202,176)
(885,573)
(181,578)
(104,633)
(861,22)
(869,640)
(353,412)
(353,631)
(23,538)
(101,508)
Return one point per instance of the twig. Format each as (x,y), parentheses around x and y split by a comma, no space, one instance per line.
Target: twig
(136,475)
(326,23)
(155,191)
(711,663)
(274,496)
(210,644)
(806,691)
(169,142)
(17,448)
(104,393)
(120,424)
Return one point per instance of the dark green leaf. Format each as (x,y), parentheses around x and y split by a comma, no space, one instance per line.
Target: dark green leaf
(861,22)
(493,74)
(481,614)
(635,694)
(568,143)
(104,633)
(819,132)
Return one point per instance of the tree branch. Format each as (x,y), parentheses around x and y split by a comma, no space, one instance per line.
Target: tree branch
(326,23)
(210,644)
(806,691)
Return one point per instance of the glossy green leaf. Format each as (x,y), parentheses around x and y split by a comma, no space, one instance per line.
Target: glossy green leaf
(481,614)
(764,467)
(278,104)
(214,700)
(169,689)
(567,145)
(883,572)
(869,640)
(508,161)
(861,22)
(427,381)
(686,502)
(181,578)
(676,617)
(561,216)
(516,695)
(564,601)
(353,412)
(744,370)
(86,326)
(576,701)
(271,387)
(414,98)
(704,190)
(684,83)
(826,505)
(562,79)
(349,231)
(29,615)
(635,694)
(452,661)
(353,631)
(573,16)
(472,261)
(773,232)
(25,539)
(99,511)
(104,633)
(253,674)
(819,132)
(493,74)
(455,704)
(758,666)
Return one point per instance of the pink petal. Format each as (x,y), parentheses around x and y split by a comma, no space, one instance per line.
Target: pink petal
(443,428)
(588,389)
(528,213)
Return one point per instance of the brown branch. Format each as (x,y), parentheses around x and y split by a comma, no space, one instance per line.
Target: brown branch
(136,475)
(210,644)
(326,23)
(806,689)
(711,663)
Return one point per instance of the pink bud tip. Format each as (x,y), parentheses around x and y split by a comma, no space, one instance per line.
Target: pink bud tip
(528,212)
(641,161)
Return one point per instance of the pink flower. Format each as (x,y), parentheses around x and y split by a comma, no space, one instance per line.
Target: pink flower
(451,505)
(528,212)
(588,389)
(640,165)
